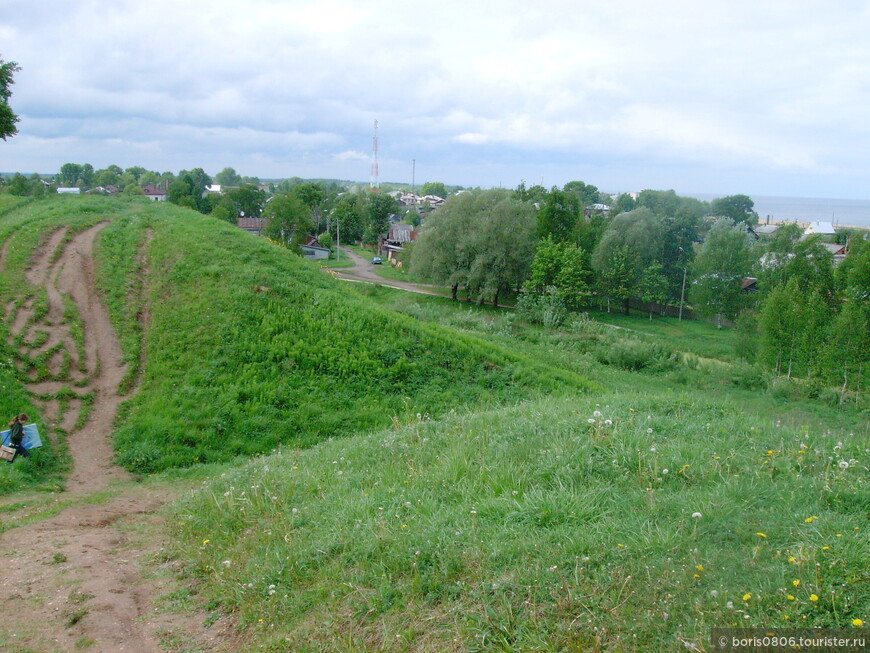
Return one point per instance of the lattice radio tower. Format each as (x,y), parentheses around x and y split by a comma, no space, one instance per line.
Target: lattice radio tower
(375,185)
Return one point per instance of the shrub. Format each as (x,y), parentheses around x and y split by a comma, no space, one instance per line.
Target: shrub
(546,308)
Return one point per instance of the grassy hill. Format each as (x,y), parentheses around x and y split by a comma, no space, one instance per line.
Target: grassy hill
(249,347)
(505,488)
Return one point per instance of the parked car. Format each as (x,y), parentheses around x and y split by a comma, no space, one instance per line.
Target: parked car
(377,260)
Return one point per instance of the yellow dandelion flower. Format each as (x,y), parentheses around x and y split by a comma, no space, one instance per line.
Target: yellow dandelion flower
(809,520)
(857,622)
(700,567)
(796,583)
(790,597)
(761,535)
(814,597)
(697,575)
(792,559)
(839,535)
(825,548)
(206,541)
(747,596)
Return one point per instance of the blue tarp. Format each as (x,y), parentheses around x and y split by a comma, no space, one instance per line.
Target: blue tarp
(31,438)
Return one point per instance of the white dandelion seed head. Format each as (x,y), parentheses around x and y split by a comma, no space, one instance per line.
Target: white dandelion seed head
(597,414)
(227,563)
(653,449)
(665,471)
(649,431)
(843,464)
(608,422)
(591,420)
(697,515)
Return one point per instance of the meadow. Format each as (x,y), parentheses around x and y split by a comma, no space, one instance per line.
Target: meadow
(378,470)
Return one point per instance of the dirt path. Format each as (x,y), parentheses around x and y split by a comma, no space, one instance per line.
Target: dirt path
(77,580)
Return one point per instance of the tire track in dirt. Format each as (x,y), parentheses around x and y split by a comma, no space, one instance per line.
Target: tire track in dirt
(76,580)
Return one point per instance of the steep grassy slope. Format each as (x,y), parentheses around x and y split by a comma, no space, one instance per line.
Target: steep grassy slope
(249,347)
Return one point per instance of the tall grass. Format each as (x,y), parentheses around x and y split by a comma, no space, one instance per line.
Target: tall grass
(635,523)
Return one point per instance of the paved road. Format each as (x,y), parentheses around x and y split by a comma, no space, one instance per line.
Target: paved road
(365,271)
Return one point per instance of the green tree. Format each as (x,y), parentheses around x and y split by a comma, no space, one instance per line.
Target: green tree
(69,174)
(347,219)
(107,176)
(228,177)
(289,220)
(631,243)
(738,208)
(623,204)
(563,266)
(225,210)
(8,118)
(248,199)
(587,194)
(718,271)
(503,248)
(436,188)
(37,187)
(480,240)
(653,287)
(377,209)
(558,216)
(19,185)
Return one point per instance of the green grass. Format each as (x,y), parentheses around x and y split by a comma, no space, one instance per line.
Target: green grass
(532,528)
(250,347)
(507,487)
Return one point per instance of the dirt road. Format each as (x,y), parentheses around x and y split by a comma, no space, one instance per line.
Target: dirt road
(84,579)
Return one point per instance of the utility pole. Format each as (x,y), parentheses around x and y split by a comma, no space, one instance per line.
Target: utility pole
(683,291)
(374,185)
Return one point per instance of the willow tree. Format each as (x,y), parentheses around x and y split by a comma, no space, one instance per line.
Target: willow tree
(480,240)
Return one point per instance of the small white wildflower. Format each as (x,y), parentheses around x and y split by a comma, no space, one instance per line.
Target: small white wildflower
(553,568)
(730,605)
(515,493)
(295,510)
(227,563)
(653,449)
(714,593)
(473,512)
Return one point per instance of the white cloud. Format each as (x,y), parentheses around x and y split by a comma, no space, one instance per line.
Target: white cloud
(776,87)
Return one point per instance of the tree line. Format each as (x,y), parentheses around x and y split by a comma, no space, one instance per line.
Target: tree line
(560,250)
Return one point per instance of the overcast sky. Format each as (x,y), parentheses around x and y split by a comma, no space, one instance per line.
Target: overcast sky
(762,97)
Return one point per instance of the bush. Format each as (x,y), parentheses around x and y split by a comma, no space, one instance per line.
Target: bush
(546,308)
(634,355)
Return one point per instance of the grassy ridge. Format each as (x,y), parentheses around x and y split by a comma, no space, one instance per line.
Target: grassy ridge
(554,525)
(250,347)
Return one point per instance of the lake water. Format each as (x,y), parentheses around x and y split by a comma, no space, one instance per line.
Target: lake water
(854,213)
(847,213)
